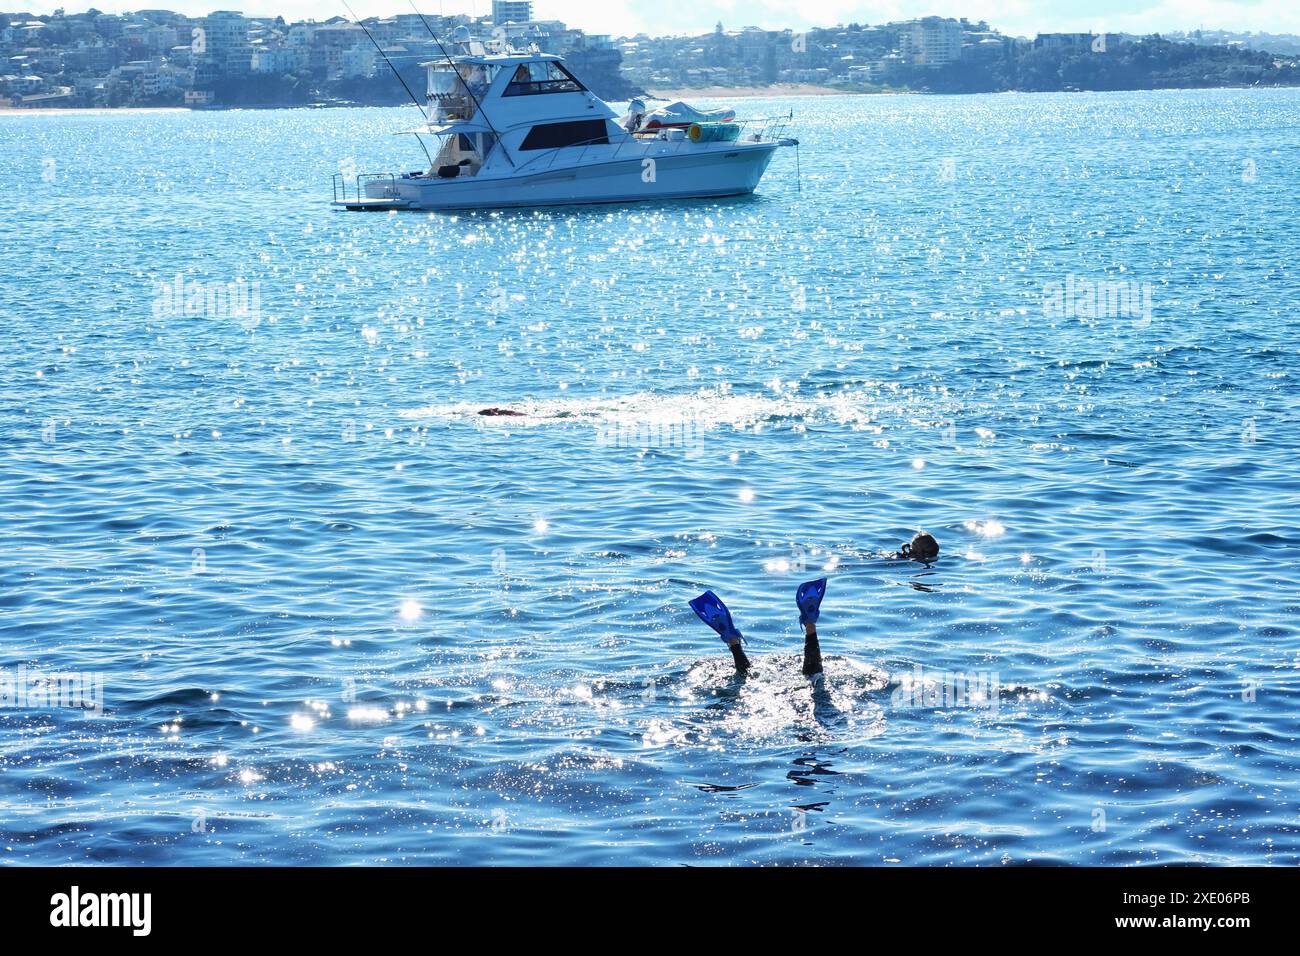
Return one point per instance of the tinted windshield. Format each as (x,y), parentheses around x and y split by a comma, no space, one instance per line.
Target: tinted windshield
(543,77)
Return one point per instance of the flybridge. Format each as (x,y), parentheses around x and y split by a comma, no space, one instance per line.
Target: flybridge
(462,87)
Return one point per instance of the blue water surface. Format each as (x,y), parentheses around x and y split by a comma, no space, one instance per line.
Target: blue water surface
(337,617)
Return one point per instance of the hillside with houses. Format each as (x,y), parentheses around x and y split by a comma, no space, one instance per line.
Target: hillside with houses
(159,58)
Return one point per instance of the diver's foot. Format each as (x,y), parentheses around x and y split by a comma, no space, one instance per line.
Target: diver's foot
(809,600)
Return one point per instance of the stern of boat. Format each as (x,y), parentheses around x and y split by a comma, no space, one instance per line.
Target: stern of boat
(374,192)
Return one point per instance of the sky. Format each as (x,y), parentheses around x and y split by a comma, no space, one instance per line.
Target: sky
(668,17)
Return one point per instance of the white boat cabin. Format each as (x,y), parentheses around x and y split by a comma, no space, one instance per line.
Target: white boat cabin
(528,102)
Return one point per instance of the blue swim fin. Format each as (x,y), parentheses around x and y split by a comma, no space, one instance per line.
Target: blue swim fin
(715,614)
(809,598)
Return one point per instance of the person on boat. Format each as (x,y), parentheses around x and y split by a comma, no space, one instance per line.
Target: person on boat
(923,547)
(478,81)
(519,83)
(710,609)
(635,116)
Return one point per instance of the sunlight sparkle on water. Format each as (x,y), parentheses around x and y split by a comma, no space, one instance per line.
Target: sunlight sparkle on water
(410,610)
(367,715)
(991,528)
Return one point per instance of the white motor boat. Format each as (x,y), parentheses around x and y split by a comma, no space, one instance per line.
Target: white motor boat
(519,129)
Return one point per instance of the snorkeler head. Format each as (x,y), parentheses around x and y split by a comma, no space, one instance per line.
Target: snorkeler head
(922,548)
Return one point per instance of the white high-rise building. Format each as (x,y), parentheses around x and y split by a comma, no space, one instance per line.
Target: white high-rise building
(224,41)
(932,41)
(511,11)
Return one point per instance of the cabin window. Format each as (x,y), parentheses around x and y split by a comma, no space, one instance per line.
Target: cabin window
(579,133)
(476,77)
(454,94)
(543,76)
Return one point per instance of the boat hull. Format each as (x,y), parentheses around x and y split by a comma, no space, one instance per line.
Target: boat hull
(722,171)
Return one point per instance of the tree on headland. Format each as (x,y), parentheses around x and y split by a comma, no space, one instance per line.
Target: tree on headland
(1154,63)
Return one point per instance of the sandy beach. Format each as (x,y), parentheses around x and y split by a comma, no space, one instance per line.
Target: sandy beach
(82,110)
(746,92)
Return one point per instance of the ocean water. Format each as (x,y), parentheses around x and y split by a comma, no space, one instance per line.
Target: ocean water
(330,615)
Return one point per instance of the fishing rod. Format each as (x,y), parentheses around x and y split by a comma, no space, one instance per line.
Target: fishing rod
(384,55)
(478,107)
(395,73)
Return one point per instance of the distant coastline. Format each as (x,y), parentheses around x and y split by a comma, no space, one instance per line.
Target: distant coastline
(163,59)
(775,91)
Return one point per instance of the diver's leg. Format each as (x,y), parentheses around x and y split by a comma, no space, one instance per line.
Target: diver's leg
(809,599)
(812,652)
(710,609)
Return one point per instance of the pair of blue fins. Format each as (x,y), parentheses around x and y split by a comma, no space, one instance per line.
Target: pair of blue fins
(710,609)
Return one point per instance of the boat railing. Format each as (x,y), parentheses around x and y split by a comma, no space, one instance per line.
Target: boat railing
(387,183)
(770,129)
(555,152)
(766,130)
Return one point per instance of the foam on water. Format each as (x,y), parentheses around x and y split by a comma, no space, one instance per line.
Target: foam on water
(705,409)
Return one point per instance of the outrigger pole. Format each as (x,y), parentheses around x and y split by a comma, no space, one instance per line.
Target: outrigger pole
(358,22)
(416,102)
(477,105)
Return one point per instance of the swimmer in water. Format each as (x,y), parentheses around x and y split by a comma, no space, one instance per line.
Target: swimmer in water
(808,598)
(921,548)
(499,411)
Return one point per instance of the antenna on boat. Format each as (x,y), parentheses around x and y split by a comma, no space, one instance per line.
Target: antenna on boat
(477,105)
(384,55)
(798,167)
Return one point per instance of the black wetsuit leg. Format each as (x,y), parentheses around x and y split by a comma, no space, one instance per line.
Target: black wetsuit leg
(812,652)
